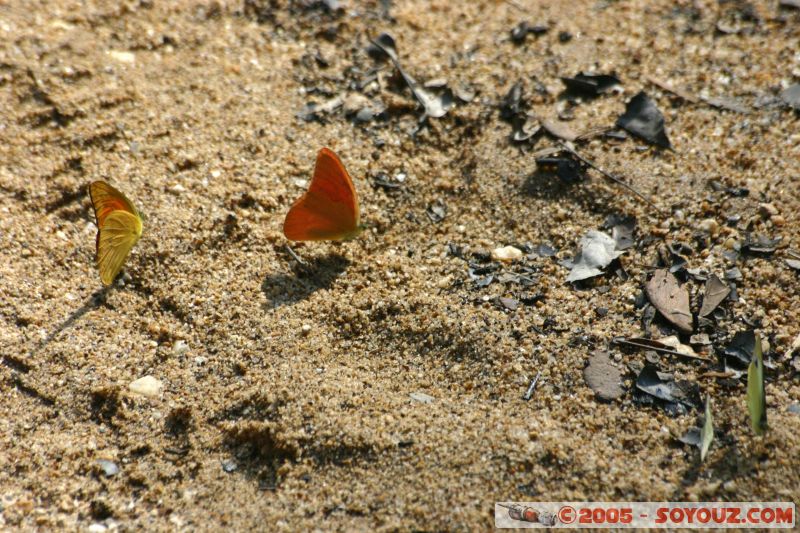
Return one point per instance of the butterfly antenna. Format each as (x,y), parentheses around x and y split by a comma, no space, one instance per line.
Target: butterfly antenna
(295,256)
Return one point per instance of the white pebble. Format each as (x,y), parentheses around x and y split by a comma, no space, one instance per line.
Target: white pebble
(180,347)
(305,329)
(506,254)
(146,386)
(121,56)
(421,397)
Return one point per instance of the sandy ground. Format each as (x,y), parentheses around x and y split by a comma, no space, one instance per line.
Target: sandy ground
(287,391)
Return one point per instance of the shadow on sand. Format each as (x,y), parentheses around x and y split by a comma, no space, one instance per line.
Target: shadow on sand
(286,288)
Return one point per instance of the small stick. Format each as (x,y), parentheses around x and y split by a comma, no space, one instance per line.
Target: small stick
(529,392)
(610,176)
(657,349)
(295,256)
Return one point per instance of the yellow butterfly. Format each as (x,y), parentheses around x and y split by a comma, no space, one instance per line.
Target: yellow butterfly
(119,227)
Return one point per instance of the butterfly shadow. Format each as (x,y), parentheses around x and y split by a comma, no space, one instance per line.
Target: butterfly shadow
(97,299)
(287,288)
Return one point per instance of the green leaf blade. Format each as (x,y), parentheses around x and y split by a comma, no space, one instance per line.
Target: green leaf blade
(756,394)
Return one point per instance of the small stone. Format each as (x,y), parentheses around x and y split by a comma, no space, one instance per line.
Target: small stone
(180,347)
(61,235)
(109,468)
(506,254)
(97,528)
(229,465)
(177,189)
(767,210)
(122,56)
(603,377)
(305,329)
(777,220)
(794,408)
(421,397)
(709,226)
(146,386)
(200,360)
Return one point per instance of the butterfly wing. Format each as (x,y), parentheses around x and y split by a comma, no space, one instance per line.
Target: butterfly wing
(120,232)
(329,209)
(119,228)
(106,199)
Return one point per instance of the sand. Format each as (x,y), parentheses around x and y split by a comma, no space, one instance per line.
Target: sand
(377,388)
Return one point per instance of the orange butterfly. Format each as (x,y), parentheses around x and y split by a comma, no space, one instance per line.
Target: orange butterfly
(119,227)
(328,211)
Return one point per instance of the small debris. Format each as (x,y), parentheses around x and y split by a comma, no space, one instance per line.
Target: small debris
(421,397)
(109,468)
(229,466)
(741,347)
(180,347)
(676,395)
(670,299)
(760,244)
(597,252)
(658,346)
(146,386)
(531,387)
(508,303)
(791,96)
(305,329)
(702,436)
(435,106)
(643,119)
(568,169)
(591,85)
(521,31)
(314,111)
(506,254)
(603,377)
(122,56)
(622,228)
(716,292)
(436,212)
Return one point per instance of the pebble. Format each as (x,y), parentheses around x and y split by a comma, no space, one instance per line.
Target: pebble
(767,210)
(122,56)
(146,386)
(96,528)
(180,347)
(506,254)
(421,397)
(709,225)
(305,329)
(109,468)
(177,189)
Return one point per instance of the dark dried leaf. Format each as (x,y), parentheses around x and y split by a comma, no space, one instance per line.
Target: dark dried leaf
(521,31)
(716,292)
(643,119)
(670,299)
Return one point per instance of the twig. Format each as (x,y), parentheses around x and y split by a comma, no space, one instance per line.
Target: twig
(636,344)
(610,176)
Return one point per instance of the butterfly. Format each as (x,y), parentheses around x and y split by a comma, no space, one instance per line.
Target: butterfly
(119,227)
(328,211)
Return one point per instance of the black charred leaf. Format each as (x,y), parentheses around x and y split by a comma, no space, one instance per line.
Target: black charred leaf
(512,105)
(760,244)
(590,85)
(643,119)
(741,347)
(663,387)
